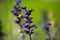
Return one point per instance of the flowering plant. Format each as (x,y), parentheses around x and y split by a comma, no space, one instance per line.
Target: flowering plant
(26,16)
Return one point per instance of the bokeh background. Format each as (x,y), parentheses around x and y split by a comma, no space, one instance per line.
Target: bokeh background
(11,29)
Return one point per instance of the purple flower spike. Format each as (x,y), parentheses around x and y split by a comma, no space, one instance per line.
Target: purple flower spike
(18,13)
(47,29)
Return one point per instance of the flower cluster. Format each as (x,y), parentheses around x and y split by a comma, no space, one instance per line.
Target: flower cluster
(26,16)
(28,22)
(18,12)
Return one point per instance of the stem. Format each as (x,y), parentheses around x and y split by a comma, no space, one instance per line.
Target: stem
(30,37)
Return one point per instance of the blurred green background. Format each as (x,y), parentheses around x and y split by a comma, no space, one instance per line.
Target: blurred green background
(11,29)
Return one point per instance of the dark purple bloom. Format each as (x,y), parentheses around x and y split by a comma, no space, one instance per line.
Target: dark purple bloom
(27,12)
(28,32)
(15,7)
(26,25)
(14,11)
(28,19)
(33,26)
(23,8)
(31,10)
(18,2)
(18,21)
(47,24)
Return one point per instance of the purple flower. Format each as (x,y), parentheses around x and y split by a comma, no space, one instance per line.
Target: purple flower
(18,2)
(27,12)
(26,25)
(28,32)
(31,10)
(33,26)
(15,7)
(18,21)
(23,8)
(14,11)
(47,24)
(28,19)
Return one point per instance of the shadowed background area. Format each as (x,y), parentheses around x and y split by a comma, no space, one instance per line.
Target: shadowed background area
(11,29)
